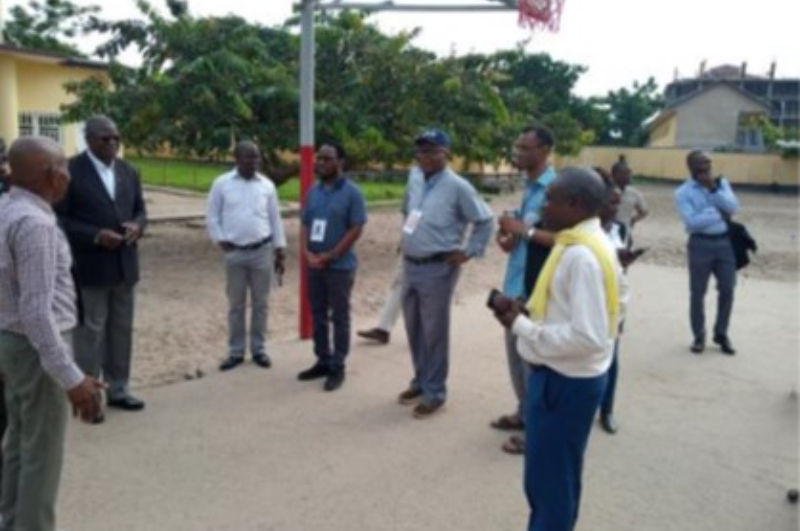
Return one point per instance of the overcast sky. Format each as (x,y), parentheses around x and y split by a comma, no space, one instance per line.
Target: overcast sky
(620,41)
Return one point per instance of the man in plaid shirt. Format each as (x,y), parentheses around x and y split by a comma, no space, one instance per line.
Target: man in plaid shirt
(37,315)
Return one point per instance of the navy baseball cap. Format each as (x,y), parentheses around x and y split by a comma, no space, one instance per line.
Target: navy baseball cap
(435,137)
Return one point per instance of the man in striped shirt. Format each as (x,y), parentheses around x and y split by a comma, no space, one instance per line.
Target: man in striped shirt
(37,315)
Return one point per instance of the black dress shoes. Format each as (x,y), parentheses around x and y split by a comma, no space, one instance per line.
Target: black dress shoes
(608,423)
(698,346)
(375,334)
(126,403)
(334,380)
(230,363)
(725,345)
(262,360)
(317,371)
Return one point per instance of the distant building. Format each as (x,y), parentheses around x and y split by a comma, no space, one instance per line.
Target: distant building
(718,108)
(32,92)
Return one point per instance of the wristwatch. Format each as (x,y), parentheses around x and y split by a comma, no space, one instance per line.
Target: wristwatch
(530,233)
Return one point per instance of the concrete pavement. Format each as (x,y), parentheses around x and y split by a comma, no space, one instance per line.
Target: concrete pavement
(707,442)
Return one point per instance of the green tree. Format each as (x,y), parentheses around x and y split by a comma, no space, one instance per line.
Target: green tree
(628,110)
(49,25)
(203,84)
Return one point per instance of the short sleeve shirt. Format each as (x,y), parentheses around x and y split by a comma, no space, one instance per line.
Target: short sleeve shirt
(330,212)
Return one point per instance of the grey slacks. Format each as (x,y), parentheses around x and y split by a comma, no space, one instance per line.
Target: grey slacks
(711,257)
(104,341)
(427,296)
(34,444)
(248,271)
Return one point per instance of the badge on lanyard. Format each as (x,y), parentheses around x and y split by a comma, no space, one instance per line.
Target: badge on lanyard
(318,228)
(412,221)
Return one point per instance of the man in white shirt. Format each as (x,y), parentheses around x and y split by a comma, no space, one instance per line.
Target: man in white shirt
(568,342)
(244,220)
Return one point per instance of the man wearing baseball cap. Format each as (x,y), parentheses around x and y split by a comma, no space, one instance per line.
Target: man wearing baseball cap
(440,210)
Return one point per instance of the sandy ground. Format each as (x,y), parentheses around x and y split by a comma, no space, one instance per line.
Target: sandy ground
(707,443)
(181,307)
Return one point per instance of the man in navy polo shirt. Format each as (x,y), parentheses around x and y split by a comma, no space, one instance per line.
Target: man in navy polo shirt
(333,218)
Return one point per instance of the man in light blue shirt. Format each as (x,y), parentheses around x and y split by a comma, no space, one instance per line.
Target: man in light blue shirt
(517,229)
(705,204)
(439,210)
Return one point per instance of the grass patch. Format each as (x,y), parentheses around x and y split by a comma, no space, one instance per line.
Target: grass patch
(199,176)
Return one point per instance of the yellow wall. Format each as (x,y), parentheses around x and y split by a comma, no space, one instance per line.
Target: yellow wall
(663,135)
(670,164)
(39,89)
(8,99)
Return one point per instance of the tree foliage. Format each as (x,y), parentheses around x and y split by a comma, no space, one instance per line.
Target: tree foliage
(205,82)
(627,112)
(48,25)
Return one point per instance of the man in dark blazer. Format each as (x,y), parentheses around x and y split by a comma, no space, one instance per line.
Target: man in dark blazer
(103,215)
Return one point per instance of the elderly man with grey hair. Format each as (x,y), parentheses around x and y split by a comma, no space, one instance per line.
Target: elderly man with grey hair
(37,315)
(103,215)
(566,333)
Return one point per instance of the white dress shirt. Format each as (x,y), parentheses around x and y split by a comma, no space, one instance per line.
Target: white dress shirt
(573,338)
(106,174)
(244,211)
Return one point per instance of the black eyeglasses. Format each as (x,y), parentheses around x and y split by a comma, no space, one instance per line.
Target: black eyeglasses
(109,138)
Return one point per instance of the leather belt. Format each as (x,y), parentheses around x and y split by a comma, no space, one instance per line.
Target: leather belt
(709,236)
(432,259)
(536,367)
(253,246)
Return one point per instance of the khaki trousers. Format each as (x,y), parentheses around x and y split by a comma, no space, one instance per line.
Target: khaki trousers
(34,443)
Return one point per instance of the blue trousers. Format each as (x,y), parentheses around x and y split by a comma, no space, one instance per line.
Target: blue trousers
(329,296)
(560,411)
(607,403)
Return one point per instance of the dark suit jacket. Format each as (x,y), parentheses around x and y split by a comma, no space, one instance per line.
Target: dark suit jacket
(87,208)
(742,242)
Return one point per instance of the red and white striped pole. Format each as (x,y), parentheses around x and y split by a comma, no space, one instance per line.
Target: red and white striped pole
(306,145)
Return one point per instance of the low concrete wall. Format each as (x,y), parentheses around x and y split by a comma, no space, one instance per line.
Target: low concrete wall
(758,170)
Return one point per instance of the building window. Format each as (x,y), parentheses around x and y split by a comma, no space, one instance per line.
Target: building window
(40,124)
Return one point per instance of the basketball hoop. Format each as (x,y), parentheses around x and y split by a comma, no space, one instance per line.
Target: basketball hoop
(540,14)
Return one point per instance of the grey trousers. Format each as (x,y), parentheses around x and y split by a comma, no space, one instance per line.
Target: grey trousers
(710,257)
(519,370)
(393,303)
(34,444)
(103,342)
(248,272)
(427,297)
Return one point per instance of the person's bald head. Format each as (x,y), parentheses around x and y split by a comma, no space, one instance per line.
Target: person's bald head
(577,194)
(102,137)
(38,164)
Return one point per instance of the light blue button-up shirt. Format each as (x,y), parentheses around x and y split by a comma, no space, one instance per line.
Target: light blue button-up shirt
(530,212)
(701,209)
(448,204)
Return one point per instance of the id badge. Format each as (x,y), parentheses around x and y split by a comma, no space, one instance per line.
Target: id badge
(318,228)
(412,221)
